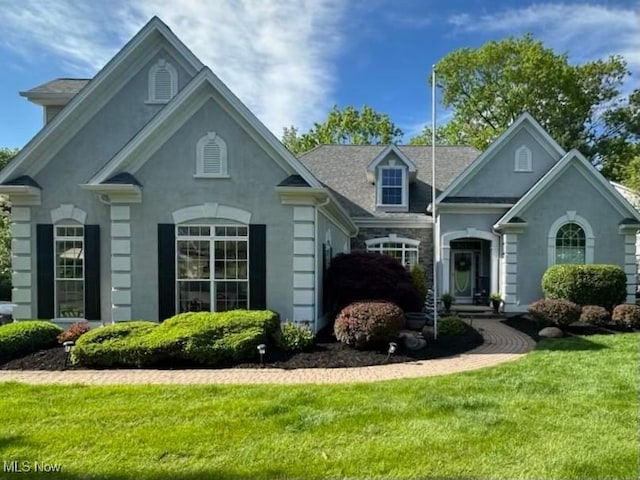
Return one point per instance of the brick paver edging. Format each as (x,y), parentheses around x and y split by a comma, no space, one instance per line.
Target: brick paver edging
(501,344)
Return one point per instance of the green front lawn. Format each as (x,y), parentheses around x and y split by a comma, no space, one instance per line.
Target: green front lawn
(567,410)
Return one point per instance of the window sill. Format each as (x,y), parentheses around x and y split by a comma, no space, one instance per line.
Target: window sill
(156,102)
(392,208)
(204,175)
(523,171)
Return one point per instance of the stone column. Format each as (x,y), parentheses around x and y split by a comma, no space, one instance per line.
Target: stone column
(21,263)
(304,264)
(509,274)
(120,263)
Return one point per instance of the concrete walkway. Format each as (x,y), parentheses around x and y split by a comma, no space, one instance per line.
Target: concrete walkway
(502,344)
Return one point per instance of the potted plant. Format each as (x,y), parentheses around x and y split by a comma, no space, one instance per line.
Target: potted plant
(447,300)
(496,300)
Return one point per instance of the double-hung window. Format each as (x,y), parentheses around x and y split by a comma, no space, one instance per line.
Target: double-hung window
(212,267)
(391,186)
(69,270)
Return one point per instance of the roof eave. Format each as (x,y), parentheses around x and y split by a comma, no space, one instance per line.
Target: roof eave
(116,192)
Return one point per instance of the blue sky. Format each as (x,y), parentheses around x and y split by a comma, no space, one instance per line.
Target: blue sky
(290,61)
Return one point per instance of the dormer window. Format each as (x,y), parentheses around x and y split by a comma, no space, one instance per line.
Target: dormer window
(391,181)
(523,160)
(163,82)
(211,157)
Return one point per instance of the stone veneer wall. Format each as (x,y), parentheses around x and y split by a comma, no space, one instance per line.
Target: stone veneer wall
(425,250)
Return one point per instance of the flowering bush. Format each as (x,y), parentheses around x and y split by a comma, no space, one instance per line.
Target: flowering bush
(594,315)
(294,337)
(558,312)
(369,324)
(627,315)
(74,332)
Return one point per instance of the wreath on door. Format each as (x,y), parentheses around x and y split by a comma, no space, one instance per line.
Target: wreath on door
(462,265)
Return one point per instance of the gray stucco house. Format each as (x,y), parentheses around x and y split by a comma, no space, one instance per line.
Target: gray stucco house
(152,190)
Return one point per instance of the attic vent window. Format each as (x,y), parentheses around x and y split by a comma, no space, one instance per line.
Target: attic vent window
(211,157)
(523,160)
(163,82)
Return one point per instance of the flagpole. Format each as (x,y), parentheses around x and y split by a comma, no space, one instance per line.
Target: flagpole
(433,199)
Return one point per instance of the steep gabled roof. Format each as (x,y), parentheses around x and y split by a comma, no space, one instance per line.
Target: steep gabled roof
(204,86)
(343,169)
(37,153)
(523,121)
(574,157)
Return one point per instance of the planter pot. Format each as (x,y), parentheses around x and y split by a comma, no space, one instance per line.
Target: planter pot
(447,306)
(496,306)
(415,320)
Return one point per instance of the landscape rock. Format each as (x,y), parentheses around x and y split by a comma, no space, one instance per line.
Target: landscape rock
(411,341)
(550,332)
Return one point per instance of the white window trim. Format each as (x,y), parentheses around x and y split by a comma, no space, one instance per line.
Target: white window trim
(173,73)
(571,217)
(212,237)
(56,239)
(408,245)
(405,190)
(529,167)
(224,172)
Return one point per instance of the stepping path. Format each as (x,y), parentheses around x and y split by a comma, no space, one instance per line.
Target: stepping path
(501,344)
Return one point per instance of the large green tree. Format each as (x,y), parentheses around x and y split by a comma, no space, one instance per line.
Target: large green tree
(346,126)
(489,87)
(6,155)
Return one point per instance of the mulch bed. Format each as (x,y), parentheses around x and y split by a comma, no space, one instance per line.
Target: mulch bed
(326,353)
(527,325)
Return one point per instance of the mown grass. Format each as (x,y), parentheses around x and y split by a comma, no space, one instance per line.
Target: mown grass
(567,410)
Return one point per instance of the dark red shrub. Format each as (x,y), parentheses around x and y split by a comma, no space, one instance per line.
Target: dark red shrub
(557,312)
(627,315)
(595,315)
(369,324)
(74,332)
(357,276)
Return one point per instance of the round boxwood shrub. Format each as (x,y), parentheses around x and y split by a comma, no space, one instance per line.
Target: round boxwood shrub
(369,324)
(627,315)
(452,326)
(603,285)
(595,315)
(294,337)
(358,276)
(18,339)
(558,312)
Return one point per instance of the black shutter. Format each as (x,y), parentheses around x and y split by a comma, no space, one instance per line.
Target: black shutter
(257,267)
(166,271)
(44,265)
(92,272)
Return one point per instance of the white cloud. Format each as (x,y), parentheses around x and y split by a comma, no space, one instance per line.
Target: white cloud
(275,55)
(585,31)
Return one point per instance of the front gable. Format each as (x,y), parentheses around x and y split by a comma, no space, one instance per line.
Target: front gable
(114,105)
(511,165)
(392,171)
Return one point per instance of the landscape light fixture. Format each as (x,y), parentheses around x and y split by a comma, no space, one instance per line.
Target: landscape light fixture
(68,345)
(262,349)
(392,349)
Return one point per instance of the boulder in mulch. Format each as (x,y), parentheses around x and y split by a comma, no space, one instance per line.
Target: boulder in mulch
(550,332)
(412,342)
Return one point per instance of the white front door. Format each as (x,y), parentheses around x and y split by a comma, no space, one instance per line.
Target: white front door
(462,275)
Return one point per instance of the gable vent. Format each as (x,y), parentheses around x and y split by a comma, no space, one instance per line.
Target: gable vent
(523,160)
(163,84)
(212,162)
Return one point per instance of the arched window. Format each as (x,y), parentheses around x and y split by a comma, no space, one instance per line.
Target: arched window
(523,160)
(211,156)
(69,271)
(405,250)
(571,244)
(163,82)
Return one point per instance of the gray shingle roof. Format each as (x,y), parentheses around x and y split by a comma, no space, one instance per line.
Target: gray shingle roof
(124,178)
(343,169)
(62,86)
(293,181)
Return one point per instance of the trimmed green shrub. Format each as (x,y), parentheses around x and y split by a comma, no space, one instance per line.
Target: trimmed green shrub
(559,312)
(204,338)
(627,315)
(368,324)
(74,332)
(595,315)
(603,285)
(294,337)
(417,274)
(118,345)
(451,326)
(18,339)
